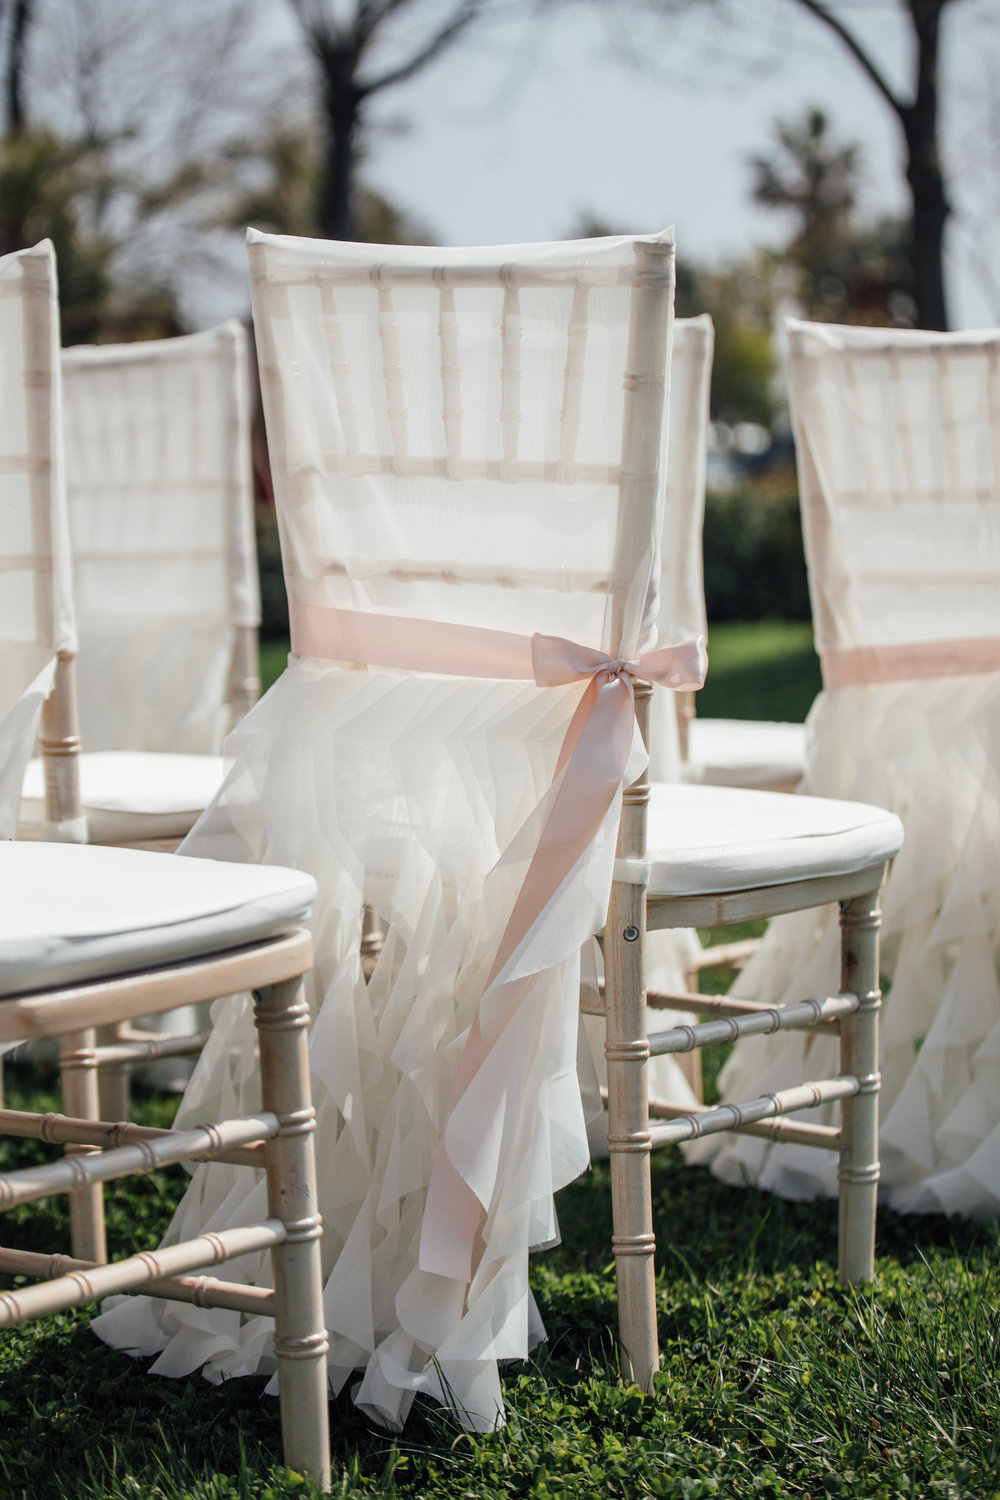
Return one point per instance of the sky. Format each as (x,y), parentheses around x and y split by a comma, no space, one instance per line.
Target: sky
(524,128)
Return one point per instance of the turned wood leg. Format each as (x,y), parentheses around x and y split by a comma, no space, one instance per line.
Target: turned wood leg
(627,1053)
(114,1079)
(300,1338)
(860,921)
(78,1079)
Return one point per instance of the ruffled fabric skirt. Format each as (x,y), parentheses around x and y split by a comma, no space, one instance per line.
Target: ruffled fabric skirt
(930,752)
(422,798)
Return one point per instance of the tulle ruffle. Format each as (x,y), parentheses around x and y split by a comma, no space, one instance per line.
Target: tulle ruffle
(930,752)
(421,797)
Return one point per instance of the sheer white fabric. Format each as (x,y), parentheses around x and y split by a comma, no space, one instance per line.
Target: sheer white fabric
(682,587)
(898,441)
(454,436)
(36,610)
(161,517)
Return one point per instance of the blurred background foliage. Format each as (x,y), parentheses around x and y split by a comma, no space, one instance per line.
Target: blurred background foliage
(142,138)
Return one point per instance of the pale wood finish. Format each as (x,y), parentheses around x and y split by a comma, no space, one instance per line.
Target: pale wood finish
(282,1133)
(128,996)
(59,747)
(629,1046)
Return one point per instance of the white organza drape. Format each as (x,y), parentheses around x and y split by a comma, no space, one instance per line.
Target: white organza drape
(450,435)
(161,519)
(36,611)
(898,440)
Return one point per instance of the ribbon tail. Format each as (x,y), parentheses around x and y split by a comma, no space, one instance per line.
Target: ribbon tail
(600,736)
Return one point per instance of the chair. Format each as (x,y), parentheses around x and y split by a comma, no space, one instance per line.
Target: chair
(159,485)
(716,752)
(467,455)
(898,446)
(90,936)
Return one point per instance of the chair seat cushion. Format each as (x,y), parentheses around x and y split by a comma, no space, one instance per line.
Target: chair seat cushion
(746,752)
(72,912)
(708,840)
(131,794)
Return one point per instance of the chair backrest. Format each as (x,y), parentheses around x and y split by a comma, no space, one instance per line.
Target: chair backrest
(898,448)
(682,580)
(470,436)
(161,517)
(37,636)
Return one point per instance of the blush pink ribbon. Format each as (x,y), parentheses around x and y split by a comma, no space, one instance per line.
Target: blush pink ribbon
(589,772)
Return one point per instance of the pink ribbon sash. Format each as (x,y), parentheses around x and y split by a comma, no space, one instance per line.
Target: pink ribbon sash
(589,772)
(860,666)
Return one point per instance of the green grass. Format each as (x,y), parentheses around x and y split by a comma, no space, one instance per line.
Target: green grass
(763,670)
(775,1381)
(766,669)
(273,660)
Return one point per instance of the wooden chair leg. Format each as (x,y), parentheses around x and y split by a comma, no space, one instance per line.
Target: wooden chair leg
(114,1079)
(78,1080)
(300,1337)
(860,920)
(627,1053)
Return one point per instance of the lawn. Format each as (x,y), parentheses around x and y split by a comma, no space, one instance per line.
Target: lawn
(774,1383)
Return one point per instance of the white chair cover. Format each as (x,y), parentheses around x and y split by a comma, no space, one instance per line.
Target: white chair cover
(161,518)
(451,439)
(898,441)
(36,608)
(682,584)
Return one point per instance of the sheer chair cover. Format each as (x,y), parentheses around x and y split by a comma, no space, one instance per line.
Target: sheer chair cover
(898,443)
(36,608)
(161,519)
(473,438)
(682,584)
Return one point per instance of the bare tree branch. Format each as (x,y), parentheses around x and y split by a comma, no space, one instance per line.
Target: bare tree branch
(861,55)
(449,32)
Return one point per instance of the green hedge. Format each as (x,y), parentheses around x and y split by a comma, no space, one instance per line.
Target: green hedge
(754,564)
(754,568)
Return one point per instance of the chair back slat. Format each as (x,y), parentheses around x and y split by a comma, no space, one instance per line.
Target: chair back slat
(573,379)
(451,384)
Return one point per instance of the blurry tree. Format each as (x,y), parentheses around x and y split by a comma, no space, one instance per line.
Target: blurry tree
(118,119)
(916,105)
(741,299)
(843,271)
(283,188)
(918,112)
(360,49)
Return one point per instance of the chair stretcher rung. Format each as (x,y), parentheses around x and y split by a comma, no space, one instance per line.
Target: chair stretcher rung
(73,1172)
(794,1132)
(64,1130)
(710,1005)
(691,1127)
(148,1050)
(80,1286)
(202,1291)
(762,1022)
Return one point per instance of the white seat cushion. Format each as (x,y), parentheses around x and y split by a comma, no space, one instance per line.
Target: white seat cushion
(131,794)
(746,752)
(707,840)
(72,912)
